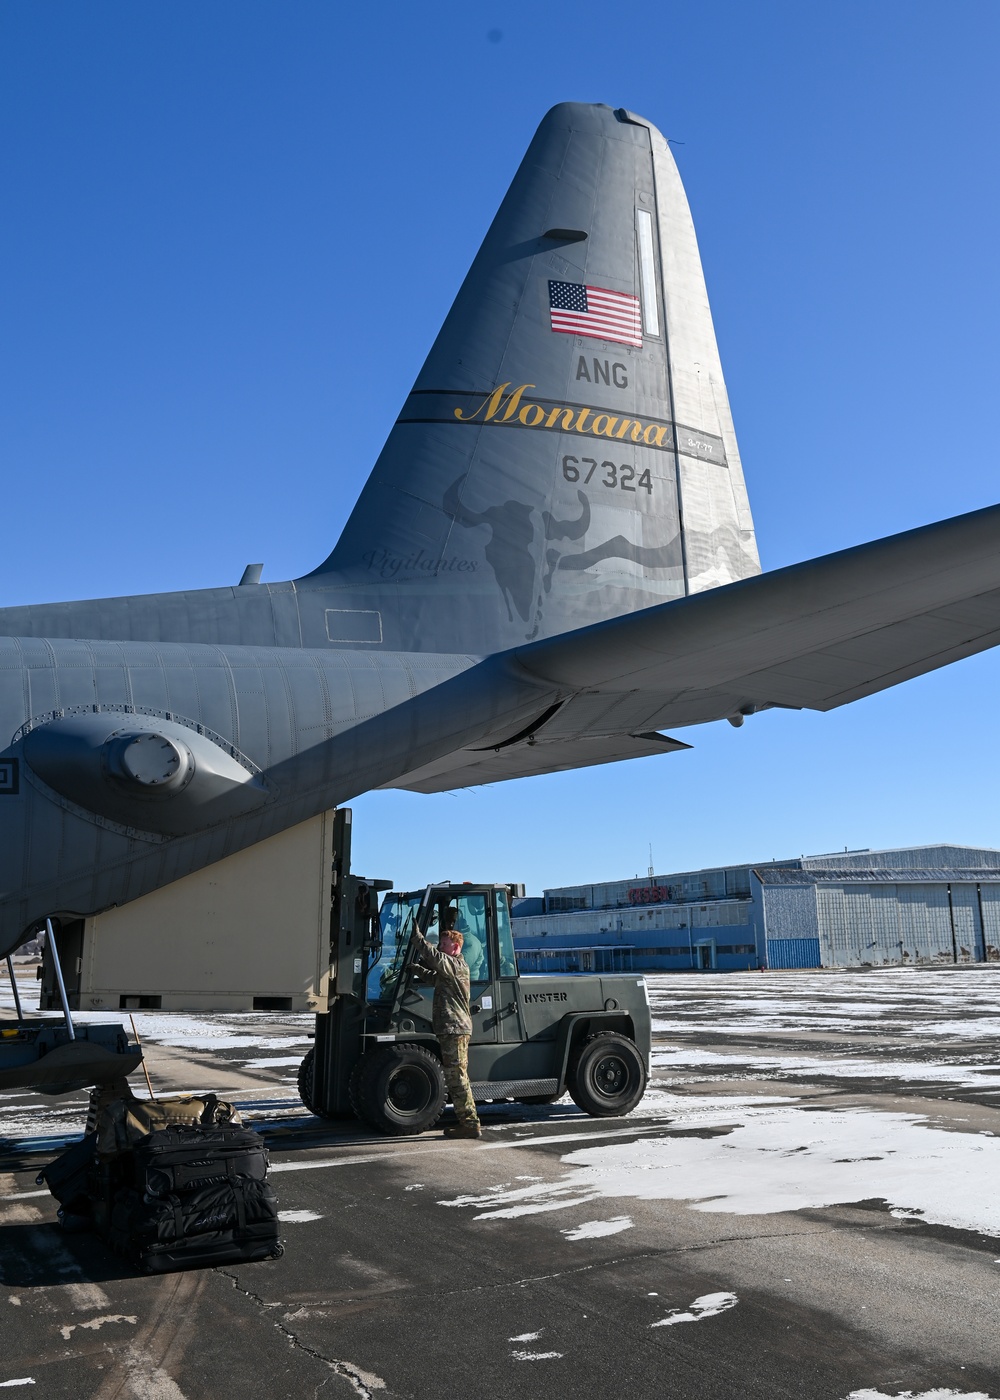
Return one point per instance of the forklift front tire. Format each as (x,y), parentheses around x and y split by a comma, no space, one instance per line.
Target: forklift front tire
(607,1077)
(306,1081)
(398,1089)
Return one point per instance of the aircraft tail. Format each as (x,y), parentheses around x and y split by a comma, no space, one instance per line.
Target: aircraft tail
(567,453)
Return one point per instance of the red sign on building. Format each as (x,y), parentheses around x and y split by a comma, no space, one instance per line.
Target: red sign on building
(650,894)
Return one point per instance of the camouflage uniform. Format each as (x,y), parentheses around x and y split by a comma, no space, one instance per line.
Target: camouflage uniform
(452,1024)
(455,1063)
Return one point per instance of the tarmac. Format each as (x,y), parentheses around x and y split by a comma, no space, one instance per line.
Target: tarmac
(805,1204)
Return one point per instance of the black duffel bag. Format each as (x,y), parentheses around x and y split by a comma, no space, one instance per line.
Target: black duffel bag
(71,1179)
(190,1197)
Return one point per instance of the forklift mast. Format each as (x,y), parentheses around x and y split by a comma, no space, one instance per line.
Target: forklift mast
(355,943)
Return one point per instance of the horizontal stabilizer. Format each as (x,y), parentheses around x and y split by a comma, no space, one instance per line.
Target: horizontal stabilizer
(812,636)
(528,759)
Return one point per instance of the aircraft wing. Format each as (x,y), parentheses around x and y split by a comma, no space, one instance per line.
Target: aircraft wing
(812,636)
(527,759)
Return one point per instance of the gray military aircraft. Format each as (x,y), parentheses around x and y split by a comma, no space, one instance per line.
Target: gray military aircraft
(552,561)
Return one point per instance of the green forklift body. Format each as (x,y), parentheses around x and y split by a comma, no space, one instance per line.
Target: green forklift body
(525,1029)
(533,1036)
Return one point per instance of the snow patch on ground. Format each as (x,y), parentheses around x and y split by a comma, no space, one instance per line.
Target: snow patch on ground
(923,1395)
(803,1066)
(771,1157)
(519,1355)
(906,1002)
(240,1030)
(56,1121)
(221,1039)
(594,1229)
(96,1323)
(297,1217)
(708,1305)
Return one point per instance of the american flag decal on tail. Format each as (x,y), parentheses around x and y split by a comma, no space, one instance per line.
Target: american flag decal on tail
(594,311)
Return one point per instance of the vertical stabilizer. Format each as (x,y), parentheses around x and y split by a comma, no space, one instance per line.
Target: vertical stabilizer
(567,453)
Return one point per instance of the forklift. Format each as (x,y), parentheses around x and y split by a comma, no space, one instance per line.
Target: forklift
(375,1054)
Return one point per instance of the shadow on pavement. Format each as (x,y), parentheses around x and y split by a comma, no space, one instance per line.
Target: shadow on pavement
(46,1256)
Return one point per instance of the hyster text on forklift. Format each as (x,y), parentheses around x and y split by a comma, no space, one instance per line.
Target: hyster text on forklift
(533,1037)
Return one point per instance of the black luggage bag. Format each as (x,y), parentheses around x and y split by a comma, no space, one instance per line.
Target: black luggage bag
(190,1197)
(70,1177)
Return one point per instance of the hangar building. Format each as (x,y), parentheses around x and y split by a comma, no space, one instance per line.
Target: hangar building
(918,906)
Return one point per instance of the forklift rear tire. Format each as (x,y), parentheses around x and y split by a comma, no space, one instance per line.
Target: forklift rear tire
(305,1086)
(607,1076)
(399,1089)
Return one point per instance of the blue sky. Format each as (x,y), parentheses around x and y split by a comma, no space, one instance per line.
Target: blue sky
(231,232)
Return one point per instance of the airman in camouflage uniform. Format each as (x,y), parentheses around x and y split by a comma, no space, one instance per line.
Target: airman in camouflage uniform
(452,1020)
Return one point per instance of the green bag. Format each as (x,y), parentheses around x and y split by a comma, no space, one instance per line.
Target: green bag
(125,1121)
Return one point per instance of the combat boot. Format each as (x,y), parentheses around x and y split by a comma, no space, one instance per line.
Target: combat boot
(463,1130)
